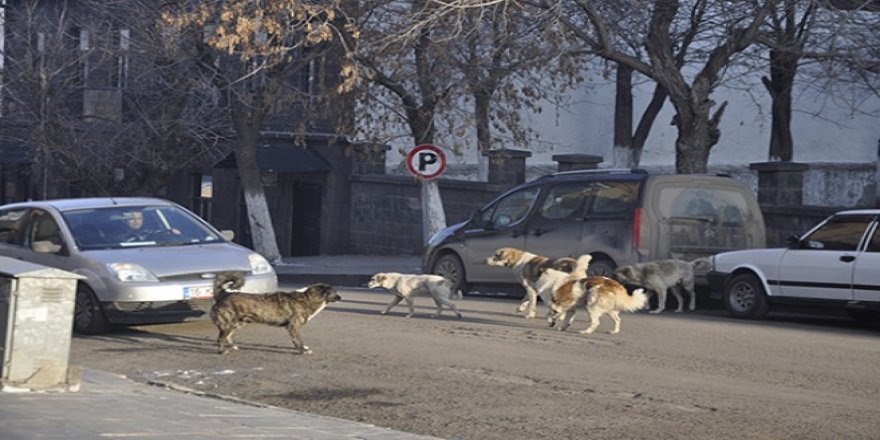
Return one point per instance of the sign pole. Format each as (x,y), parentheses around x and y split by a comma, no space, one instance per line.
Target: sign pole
(426,162)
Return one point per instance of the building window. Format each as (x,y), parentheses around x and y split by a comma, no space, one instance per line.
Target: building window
(83,61)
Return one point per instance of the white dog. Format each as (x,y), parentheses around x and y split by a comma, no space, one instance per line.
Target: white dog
(404,287)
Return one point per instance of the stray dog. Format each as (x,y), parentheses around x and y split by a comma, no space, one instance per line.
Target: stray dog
(293,310)
(600,296)
(662,275)
(551,278)
(404,287)
(527,268)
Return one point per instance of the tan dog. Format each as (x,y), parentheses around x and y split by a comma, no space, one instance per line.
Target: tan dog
(404,287)
(600,296)
(528,268)
(293,310)
(662,275)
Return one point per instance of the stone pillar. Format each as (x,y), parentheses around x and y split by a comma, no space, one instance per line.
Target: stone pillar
(507,167)
(368,158)
(780,183)
(573,162)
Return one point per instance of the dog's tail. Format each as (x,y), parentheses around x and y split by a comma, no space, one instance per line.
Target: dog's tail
(226,283)
(637,301)
(583,263)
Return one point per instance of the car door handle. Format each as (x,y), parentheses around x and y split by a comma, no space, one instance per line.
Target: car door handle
(847,258)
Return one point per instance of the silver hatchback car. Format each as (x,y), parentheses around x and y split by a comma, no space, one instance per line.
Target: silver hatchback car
(144,260)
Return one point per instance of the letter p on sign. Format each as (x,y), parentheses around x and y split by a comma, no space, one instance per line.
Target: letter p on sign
(426,161)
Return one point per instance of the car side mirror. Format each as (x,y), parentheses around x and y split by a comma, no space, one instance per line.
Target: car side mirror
(228,234)
(45,247)
(793,241)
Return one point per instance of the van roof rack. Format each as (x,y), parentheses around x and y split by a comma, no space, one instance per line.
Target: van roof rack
(596,171)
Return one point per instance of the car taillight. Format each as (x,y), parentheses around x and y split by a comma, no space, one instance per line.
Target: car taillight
(637,228)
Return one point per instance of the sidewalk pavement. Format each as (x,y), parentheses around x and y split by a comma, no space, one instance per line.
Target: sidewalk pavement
(111,406)
(343,270)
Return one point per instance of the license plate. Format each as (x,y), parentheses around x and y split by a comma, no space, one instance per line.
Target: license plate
(198,292)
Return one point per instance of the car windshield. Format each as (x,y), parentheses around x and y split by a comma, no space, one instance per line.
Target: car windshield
(131,226)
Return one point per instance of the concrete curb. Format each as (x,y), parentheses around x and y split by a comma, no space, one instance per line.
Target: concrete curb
(351,280)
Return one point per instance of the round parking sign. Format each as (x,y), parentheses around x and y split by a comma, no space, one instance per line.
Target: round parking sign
(426,161)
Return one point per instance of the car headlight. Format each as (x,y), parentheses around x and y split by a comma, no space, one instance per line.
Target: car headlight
(259,265)
(130,273)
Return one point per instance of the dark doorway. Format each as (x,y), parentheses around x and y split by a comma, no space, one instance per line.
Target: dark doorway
(305,225)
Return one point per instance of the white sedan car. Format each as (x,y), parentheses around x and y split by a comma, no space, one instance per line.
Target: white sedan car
(835,264)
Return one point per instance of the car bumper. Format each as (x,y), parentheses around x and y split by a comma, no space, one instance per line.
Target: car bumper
(152,303)
(716,282)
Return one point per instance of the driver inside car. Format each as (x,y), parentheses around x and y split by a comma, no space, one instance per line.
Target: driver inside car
(136,231)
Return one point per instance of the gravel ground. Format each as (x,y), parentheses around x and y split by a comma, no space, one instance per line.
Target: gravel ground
(494,375)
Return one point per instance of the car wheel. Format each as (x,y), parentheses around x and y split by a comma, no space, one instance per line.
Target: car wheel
(744,297)
(449,266)
(602,267)
(88,318)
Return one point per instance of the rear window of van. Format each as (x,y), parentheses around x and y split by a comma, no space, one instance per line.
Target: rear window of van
(716,205)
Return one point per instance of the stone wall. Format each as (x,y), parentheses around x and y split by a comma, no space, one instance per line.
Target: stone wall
(386,211)
(386,214)
(781,222)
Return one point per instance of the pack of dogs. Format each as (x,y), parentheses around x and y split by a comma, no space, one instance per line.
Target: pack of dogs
(563,284)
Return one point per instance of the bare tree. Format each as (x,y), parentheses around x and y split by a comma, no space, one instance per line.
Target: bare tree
(510,61)
(106,104)
(728,29)
(407,81)
(250,49)
(830,45)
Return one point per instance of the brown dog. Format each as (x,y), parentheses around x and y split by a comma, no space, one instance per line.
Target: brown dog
(599,295)
(293,310)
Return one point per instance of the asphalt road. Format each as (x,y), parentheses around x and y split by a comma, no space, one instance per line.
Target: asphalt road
(494,375)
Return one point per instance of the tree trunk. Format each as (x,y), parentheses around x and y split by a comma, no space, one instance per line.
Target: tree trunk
(783,69)
(484,134)
(259,218)
(694,140)
(623,155)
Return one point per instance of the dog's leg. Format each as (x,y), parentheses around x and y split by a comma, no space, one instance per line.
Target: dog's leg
(615,315)
(688,284)
(221,341)
(533,302)
(566,319)
(293,329)
(446,302)
(397,299)
(677,293)
(570,317)
(412,306)
(224,339)
(439,306)
(660,289)
(594,321)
